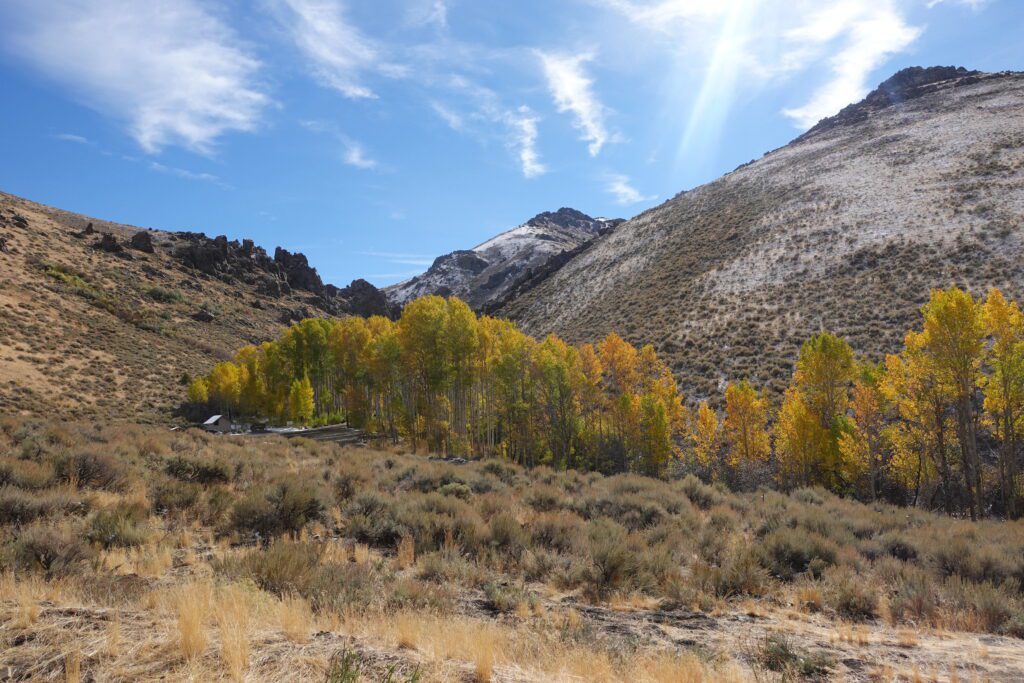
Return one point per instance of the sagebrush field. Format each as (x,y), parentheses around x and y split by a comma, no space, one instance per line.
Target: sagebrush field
(139,553)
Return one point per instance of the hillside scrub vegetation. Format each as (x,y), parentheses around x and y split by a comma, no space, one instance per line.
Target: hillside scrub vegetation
(938,425)
(136,553)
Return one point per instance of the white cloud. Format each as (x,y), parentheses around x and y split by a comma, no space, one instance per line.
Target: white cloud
(485,111)
(620,187)
(869,35)
(353,152)
(523,123)
(171,69)
(973,4)
(572,92)
(355,155)
(71,137)
(186,174)
(338,52)
(450,117)
(428,12)
(748,44)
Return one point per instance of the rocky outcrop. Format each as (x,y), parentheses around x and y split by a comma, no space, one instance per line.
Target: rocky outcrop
(286,272)
(109,244)
(142,241)
(484,274)
(903,86)
(362,298)
(297,272)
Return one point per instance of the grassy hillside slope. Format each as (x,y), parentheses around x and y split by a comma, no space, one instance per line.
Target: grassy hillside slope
(846,229)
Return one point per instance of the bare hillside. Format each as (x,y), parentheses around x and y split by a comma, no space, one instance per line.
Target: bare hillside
(102,319)
(918,186)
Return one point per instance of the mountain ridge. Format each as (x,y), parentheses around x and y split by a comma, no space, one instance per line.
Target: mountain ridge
(846,228)
(486,272)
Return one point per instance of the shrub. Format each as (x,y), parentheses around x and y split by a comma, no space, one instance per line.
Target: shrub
(898,546)
(198,471)
(504,598)
(286,508)
(915,597)
(19,507)
(507,535)
(50,550)
(372,519)
(611,561)
(954,557)
(165,296)
(632,510)
(91,470)
(739,573)
(700,494)
(456,490)
(786,553)
(171,496)
(850,595)
(562,531)
(117,527)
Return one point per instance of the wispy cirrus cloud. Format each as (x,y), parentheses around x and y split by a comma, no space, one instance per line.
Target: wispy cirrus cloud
(353,152)
(185,174)
(572,90)
(71,137)
(864,36)
(171,69)
(620,187)
(524,141)
(338,52)
(518,126)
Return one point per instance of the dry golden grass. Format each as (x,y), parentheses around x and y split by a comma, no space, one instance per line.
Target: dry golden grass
(906,637)
(193,607)
(73,667)
(361,553)
(233,622)
(296,618)
(406,555)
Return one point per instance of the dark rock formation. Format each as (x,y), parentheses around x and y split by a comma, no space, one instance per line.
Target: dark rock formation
(907,84)
(142,241)
(203,316)
(297,272)
(109,244)
(362,298)
(285,273)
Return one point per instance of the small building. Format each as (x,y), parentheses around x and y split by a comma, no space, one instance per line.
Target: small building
(218,423)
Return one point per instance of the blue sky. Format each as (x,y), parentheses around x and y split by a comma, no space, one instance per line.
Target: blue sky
(374,135)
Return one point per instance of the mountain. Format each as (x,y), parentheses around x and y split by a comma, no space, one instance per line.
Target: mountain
(485,273)
(920,185)
(104,319)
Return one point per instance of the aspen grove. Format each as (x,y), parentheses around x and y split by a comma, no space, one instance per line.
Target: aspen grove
(937,425)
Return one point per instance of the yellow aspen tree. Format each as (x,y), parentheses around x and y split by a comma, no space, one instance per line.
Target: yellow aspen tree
(745,425)
(706,435)
(800,441)
(198,391)
(924,435)
(954,337)
(863,447)
(300,401)
(824,371)
(224,385)
(1004,389)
